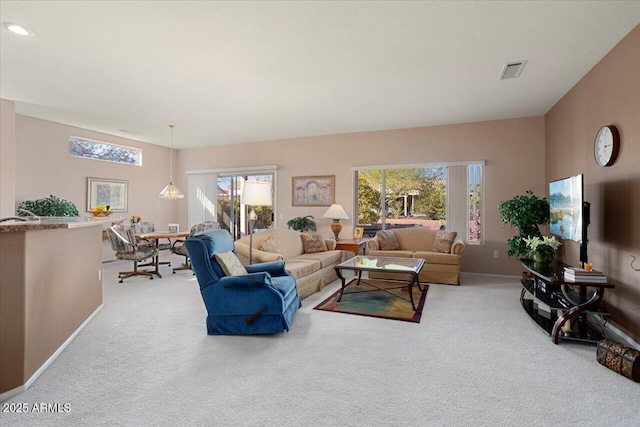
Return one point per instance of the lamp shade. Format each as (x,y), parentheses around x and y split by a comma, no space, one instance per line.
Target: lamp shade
(256,193)
(336,212)
(171,192)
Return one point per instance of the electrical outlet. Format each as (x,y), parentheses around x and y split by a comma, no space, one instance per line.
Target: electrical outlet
(281,216)
(99,274)
(496,254)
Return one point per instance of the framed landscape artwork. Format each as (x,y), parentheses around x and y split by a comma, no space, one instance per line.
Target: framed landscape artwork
(313,190)
(108,192)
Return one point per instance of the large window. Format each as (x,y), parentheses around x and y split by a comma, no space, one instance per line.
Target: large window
(104,151)
(434,196)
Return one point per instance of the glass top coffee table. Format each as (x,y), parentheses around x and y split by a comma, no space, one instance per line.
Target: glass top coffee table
(361,263)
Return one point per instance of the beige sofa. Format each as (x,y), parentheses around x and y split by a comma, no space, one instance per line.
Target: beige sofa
(417,242)
(313,271)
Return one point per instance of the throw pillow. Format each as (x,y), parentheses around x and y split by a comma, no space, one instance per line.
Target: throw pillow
(387,240)
(269,245)
(444,240)
(313,242)
(230,264)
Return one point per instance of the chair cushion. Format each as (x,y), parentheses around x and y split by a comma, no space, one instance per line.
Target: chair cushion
(142,253)
(444,241)
(313,242)
(180,250)
(230,264)
(269,245)
(387,240)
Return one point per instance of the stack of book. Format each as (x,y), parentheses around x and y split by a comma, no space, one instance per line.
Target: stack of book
(574,274)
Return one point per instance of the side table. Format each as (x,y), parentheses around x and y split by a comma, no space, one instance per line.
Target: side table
(352,245)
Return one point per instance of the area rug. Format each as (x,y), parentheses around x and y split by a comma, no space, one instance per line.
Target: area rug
(366,300)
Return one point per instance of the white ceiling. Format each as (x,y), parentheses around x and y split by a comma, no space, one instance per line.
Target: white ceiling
(233,72)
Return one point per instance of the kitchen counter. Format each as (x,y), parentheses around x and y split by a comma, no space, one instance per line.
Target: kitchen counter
(50,288)
(51,223)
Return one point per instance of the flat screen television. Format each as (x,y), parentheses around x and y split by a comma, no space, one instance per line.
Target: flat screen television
(565,207)
(568,211)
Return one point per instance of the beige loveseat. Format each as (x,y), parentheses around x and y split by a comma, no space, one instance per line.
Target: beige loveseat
(417,242)
(313,271)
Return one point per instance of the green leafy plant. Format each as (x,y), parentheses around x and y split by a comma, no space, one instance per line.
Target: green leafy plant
(302,223)
(542,249)
(526,213)
(48,206)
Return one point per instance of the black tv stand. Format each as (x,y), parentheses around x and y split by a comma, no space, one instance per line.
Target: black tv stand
(560,307)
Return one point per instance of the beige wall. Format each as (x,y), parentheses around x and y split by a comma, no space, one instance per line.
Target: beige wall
(608,95)
(44,301)
(7,158)
(513,151)
(44,167)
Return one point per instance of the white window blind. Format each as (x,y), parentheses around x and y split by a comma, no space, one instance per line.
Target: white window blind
(202,195)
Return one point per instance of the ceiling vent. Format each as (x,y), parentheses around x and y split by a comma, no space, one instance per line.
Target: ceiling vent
(511,70)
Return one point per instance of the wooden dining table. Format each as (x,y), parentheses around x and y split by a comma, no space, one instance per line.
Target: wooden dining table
(156,236)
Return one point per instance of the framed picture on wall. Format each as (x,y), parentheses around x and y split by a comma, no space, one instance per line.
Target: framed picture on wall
(108,192)
(313,190)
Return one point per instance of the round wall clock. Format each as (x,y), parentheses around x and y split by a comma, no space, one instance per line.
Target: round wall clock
(606,145)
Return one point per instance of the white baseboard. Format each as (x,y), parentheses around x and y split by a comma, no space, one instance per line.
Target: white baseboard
(11,393)
(16,391)
(510,276)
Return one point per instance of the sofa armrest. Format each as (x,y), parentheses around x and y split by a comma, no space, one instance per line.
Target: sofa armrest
(372,245)
(331,244)
(257,255)
(458,246)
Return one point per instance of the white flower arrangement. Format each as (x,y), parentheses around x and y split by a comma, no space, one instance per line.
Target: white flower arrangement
(542,249)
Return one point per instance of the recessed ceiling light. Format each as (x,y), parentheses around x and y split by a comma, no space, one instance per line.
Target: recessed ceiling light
(19,29)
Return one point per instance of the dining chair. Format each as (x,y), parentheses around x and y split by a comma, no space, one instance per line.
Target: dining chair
(122,239)
(150,227)
(178,247)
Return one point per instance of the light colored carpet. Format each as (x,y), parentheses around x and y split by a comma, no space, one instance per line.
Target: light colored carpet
(475,359)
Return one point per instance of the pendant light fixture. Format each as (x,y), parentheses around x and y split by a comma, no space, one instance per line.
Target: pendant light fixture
(171,192)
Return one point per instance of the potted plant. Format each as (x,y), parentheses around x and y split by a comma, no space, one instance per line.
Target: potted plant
(526,213)
(302,223)
(542,250)
(48,206)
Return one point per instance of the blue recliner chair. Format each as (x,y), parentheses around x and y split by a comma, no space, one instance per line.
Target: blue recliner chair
(261,302)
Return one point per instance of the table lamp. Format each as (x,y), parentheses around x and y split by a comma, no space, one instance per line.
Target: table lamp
(255,193)
(336,212)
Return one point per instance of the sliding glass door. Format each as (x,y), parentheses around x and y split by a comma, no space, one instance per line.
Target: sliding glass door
(231,213)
